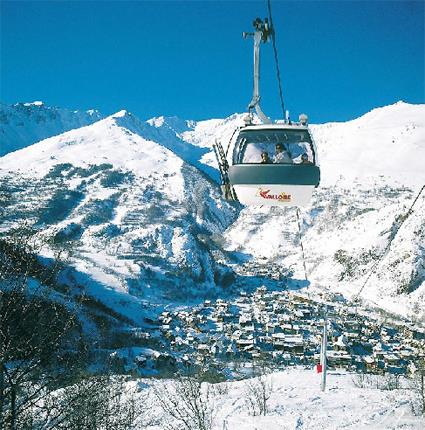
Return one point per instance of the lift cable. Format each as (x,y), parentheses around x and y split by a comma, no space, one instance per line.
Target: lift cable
(301,243)
(276,58)
(384,253)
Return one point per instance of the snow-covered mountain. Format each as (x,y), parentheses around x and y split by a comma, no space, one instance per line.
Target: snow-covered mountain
(135,213)
(23,124)
(138,204)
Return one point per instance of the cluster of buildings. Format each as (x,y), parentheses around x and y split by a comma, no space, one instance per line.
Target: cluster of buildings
(285,328)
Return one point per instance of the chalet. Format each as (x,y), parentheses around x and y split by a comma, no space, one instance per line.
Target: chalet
(283,357)
(270,327)
(248,328)
(292,343)
(245,319)
(351,334)
(236,334)
(341,344)
(295,344)
(245,344)
(284,318)
(203,349)
(369,363)
(278,341)
(391,359)
(296,327)
(338,358)
(380,350)
(255,354)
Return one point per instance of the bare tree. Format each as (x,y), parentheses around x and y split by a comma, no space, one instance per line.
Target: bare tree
(43,352)
(186,403)
(418,387)
(35,330)
(258,392)
(96,402)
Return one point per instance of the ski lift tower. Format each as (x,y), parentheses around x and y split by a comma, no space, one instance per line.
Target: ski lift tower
(324,347)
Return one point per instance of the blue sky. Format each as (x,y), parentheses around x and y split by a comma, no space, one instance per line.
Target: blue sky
(338,59)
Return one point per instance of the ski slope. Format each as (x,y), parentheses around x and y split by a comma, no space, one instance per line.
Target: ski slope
(297,403)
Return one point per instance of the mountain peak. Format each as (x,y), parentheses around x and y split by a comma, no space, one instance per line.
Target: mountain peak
(121,114)
(173,123)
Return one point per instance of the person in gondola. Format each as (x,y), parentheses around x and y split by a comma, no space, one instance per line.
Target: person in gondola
(282,156)
(265,159)
(304,159)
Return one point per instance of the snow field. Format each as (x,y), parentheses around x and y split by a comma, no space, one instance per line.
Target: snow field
(297,403)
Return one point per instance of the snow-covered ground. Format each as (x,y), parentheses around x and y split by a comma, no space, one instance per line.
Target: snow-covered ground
(297,403)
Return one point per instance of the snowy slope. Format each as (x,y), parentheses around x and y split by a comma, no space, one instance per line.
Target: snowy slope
(388,141)
(23,124)
(134,213)
(296,402)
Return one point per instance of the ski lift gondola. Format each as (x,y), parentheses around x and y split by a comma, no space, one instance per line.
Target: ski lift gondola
(291,173)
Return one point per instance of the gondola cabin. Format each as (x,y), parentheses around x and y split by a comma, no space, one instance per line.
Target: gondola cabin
(274,165)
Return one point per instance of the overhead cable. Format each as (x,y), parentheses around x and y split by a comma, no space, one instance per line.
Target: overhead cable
(375,265)
(276,59)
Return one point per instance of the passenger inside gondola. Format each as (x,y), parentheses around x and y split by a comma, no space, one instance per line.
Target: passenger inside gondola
(282,155)
(304,159)
(265,159)
(287,146)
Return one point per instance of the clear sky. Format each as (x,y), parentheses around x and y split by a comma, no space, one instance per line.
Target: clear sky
(338,59)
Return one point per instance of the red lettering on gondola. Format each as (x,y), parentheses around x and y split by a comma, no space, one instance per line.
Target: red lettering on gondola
(265,194)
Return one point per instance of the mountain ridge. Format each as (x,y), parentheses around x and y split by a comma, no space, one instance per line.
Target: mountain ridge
(23,124)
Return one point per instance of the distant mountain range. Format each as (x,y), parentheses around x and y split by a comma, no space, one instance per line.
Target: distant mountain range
(23,124)
(139,205)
